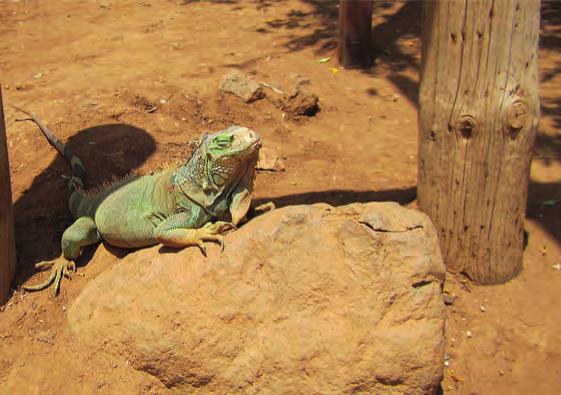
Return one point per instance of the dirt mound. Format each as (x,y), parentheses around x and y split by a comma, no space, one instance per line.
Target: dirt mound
(304,299)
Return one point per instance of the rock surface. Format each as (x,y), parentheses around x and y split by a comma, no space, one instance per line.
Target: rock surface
(239,84)
(270,160)
(305,299)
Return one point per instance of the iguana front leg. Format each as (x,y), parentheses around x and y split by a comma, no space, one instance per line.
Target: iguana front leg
(81,233)
(175,232)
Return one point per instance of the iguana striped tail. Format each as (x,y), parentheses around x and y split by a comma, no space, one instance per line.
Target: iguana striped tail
(78,179)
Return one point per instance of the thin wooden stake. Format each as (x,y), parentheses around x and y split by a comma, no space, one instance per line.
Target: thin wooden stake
(7,239)
(355,31)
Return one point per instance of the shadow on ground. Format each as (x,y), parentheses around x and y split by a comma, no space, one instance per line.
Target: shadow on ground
(338,197)
(41,213)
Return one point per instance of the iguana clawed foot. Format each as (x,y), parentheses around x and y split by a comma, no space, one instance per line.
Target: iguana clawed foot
(61,267)
(213,232)
(265,207)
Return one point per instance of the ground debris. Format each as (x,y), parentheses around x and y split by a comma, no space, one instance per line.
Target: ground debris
(448,299)
(453,376)
(298,103)
(237,83)
(47,337)
(144,104)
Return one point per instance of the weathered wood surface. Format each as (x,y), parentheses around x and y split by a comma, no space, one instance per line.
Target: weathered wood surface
(355,33)
(7,240)
(478,115)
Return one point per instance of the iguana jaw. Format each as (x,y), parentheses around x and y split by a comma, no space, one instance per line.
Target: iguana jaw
(224,168)
(218,167)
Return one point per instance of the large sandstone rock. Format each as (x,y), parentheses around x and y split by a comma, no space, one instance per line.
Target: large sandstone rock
(305,299)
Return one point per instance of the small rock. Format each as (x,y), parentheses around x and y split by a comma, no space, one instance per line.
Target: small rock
(298,102)
(482,308)
(448,299)
(557,266)
(47,337)
(239,84)
(269,159)
(469,334)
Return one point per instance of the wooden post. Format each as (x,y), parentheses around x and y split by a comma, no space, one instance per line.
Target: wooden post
(7,239)
(478,113)
(355,33)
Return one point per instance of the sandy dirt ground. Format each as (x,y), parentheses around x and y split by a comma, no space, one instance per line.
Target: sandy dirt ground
(94,70)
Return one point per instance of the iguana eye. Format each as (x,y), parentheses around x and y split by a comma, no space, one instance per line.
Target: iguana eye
(223,141)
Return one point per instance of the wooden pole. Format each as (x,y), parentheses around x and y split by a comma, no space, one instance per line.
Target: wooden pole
(355,33)
(478,113)
(7,239)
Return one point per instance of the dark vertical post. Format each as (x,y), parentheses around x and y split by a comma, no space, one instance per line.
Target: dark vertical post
(355,31)
(7,239)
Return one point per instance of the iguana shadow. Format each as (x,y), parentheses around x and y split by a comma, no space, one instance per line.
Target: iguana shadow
(41,212)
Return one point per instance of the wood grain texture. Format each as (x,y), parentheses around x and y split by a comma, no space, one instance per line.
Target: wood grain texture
(355,33)
(7,239)
(478,115)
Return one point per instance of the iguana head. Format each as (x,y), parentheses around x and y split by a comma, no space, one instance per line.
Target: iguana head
(221,170)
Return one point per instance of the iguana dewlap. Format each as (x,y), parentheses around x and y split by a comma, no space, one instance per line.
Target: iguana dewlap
(197,201)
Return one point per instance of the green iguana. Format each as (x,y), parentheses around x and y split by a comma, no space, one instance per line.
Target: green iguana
(197,201)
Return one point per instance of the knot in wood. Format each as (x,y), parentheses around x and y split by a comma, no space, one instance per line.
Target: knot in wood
(466,125)
(516,117)
(432,135)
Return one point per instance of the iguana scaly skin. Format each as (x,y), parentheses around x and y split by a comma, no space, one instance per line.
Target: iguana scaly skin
(194,202)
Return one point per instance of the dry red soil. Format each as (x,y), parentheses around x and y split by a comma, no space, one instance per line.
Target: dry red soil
(93,68)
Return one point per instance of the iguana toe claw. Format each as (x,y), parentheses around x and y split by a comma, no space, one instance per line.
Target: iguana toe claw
(202,247)
(43,285)
(265,207)
(219,228)
(43,265)
(67,273)
(230,226)
(220,240)
(60,268)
